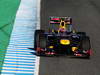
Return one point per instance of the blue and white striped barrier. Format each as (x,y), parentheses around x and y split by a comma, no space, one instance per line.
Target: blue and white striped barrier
(19,59)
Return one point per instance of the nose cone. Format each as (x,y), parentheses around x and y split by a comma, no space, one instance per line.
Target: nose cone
(64,42)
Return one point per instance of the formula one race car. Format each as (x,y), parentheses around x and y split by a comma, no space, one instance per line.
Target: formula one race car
(62,39)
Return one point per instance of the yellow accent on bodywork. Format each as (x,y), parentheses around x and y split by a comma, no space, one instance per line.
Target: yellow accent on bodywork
(74,49)
(50,46)
(52,30)
(64,42)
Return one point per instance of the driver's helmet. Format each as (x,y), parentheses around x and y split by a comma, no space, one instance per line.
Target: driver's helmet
(62,27)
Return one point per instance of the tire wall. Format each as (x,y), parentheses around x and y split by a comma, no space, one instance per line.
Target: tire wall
(8,9)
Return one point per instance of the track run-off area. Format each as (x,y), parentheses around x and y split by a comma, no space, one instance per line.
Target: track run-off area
(19,59)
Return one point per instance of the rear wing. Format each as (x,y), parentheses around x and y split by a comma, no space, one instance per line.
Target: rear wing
(57,20)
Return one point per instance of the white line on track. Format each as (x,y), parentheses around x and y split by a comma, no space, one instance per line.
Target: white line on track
(7,74)
(17,68)
(17,65)
(17,72)
(25,63)
(38,27)
(19,60)
(21,52)
(38,13)
(20,57)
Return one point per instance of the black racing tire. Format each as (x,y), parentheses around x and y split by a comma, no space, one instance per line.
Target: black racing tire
(36,37)
(85,45)
(42,44)
(43,41)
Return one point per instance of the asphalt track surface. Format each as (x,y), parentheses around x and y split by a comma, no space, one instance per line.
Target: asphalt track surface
(86,17)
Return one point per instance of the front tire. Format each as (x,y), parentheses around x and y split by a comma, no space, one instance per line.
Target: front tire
(36,37)
(39,42)
(85,46)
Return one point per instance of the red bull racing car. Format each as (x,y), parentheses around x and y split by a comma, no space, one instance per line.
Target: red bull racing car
(62,39)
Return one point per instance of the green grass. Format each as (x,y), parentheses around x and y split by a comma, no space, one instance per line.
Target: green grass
(8,9)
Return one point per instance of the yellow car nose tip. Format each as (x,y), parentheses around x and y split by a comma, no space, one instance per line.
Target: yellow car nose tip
(64,42)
